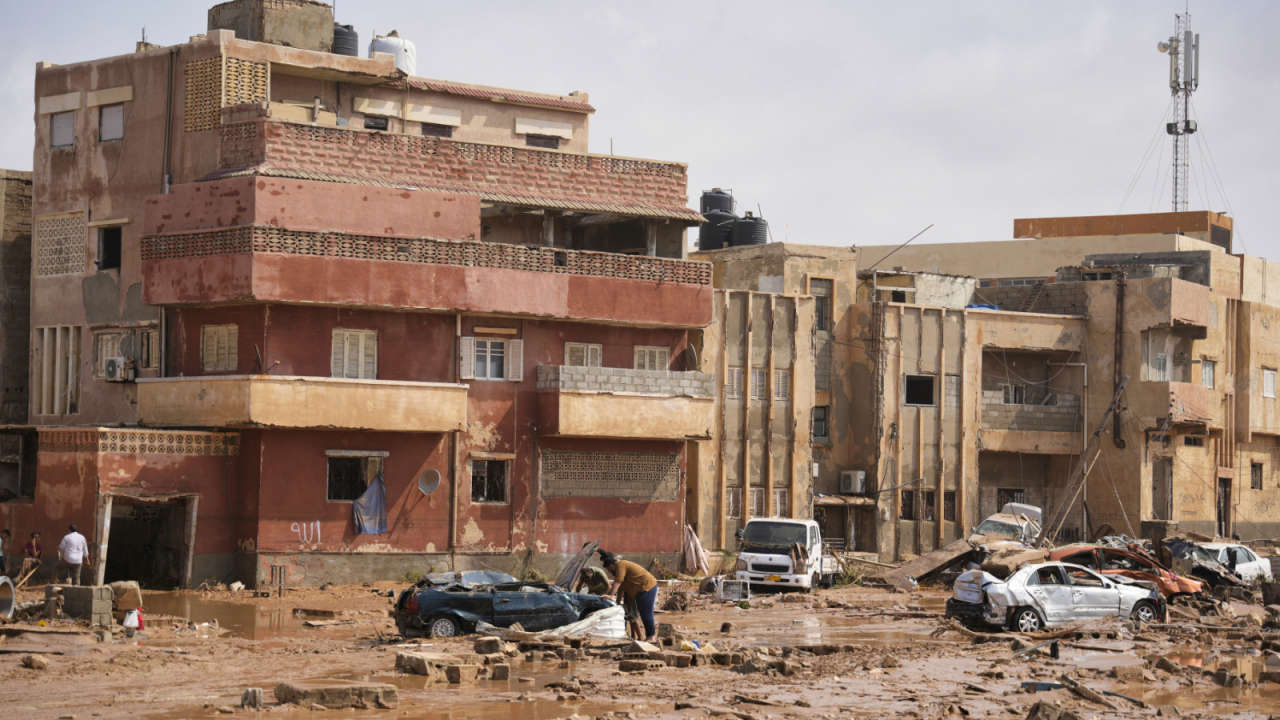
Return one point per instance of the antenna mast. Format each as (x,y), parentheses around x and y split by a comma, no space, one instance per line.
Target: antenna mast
(1183,47)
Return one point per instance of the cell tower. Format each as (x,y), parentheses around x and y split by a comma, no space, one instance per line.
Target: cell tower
(1183,47)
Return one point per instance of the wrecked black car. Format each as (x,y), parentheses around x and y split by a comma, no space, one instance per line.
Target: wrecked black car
(449,604)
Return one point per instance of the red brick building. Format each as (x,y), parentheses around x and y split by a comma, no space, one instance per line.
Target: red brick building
(265,276)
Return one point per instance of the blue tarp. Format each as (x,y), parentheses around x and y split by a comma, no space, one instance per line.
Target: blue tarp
(371,509)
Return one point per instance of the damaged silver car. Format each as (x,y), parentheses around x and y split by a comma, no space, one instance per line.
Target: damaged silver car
(1046,595)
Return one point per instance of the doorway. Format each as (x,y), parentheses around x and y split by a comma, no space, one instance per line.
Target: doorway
(150,541)
(1224,507)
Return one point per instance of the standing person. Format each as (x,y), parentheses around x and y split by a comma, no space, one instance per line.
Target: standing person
(4,548)
(72,551)
(634,583)
(32,552)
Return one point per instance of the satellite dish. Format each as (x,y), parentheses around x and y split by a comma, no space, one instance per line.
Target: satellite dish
(1162,46)
(428,481)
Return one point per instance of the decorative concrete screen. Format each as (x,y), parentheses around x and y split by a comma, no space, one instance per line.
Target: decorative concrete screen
(60,244)
(211,87)
(653,477)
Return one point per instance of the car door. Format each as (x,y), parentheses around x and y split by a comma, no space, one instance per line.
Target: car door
(1091,595)
(535,607)
(1050,593)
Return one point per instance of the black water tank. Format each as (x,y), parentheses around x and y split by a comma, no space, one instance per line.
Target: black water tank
(716,199)
(750,230)
(346,41)
(715,232)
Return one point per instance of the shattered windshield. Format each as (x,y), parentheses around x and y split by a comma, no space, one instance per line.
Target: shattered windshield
(773,534)
(995,527)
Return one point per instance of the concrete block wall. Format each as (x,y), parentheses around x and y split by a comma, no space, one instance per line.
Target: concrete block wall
(1063,417)
(1058,298)
(605,379)
(85,602)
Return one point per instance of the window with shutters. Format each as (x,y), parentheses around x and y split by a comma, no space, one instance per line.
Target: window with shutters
(578,354)
(105,345)
(760,383)
(757,502)
(149,349)
(1014,394)
(733,383)
(491,359)
(820,431)
(56,357)
(354,354)
(651,357)
(218,348)
(782,385)
(781,502)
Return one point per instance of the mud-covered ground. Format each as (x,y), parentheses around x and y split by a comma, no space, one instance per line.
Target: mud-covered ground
(896,658)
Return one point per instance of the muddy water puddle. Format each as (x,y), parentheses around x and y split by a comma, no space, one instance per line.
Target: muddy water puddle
(238,619)
(1248,697)
(760,629)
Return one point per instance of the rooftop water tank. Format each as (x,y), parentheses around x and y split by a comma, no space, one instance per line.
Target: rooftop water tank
(716,199)
(404,51)
(346,41)
(715,232)
(750,230)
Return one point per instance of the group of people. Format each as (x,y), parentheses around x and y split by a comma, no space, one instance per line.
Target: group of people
(634,587)
(73,554)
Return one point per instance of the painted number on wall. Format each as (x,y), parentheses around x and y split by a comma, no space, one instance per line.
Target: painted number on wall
(308,532)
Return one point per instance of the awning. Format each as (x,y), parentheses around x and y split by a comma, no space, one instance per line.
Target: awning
(843,500)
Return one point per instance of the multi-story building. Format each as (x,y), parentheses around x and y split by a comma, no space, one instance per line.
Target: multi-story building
(269,279)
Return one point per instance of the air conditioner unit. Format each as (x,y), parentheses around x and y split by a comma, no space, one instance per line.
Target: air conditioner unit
(117,369)
(853,482)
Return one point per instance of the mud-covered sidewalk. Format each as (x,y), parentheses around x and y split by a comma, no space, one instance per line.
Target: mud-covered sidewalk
(847,652)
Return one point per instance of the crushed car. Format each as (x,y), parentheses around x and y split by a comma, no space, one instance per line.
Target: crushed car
(1131,563)
(1046,595)
(1016,525)
(451,604)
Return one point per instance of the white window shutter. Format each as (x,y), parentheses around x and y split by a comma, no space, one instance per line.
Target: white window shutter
(575,354)
(208,349)
(515,360)
(593,356)
(337,353)
(229,347)
(467,358)
(369,366)
(638,359)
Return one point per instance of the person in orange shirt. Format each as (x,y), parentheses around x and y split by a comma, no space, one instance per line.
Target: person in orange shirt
(634,583)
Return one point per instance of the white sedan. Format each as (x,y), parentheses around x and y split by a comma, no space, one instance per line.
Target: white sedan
(1240,560)
(1048,594)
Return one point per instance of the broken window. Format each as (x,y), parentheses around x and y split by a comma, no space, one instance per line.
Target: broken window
(354,354)
(908,510)
(919,390)
(929,511)
(733,383)
(1117,561)
(1268,383)
(542,141)
(109,241)
(820,423)
(949,505)
(62,129)
(1085,558)
(57,368)
(759,383)
(375,122)
(1083,578)
(1255,476)
(652,357)
(822,289)
(1047,576)
(111,122)
(218,351)
(489,481)
(782,385)
(437,130)
(578,354)
(350,472)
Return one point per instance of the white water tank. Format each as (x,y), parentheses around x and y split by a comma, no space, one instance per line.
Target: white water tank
(404,51)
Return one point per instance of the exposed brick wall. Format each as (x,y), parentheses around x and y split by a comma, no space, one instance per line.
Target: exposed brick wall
(609,379)
(443,164)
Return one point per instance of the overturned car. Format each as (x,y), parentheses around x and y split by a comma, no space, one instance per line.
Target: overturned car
(1045,595)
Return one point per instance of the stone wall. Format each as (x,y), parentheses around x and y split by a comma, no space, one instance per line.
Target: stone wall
(606,379)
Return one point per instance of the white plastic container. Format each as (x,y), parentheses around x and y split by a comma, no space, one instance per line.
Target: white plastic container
(404,51)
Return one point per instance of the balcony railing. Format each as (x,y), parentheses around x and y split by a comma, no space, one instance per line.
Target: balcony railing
(622,403)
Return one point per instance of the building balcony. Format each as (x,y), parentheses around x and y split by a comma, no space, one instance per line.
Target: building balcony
(623,403)
(243,401)
(274,265)
(1174,303)
(1183,403)
(1031,428)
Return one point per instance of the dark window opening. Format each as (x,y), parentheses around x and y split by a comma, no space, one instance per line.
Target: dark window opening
(930,499)
(18,466)
(437,130)
(919,390)
(1004,496)
(898,296)
(488,481)
(949,505)
(542,141)
(375,122)
(561,259)
(1255,476)
(346,478)
(1193,441)
(908,511)
(109,241)
(820,418)
(822,289)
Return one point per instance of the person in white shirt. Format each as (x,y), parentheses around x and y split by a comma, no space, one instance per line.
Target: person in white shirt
(73,551)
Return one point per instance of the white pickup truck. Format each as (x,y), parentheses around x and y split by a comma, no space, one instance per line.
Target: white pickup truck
(784,552)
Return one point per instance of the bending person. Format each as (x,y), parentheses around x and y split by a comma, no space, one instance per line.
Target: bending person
(636,584)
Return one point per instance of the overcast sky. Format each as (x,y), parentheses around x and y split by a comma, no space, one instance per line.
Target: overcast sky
(846,122)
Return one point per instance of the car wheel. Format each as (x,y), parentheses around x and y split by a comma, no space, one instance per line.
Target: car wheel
(1144,611)
(1027,620)
(443,627)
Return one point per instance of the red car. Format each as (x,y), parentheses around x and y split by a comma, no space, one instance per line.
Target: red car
(1116,561)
